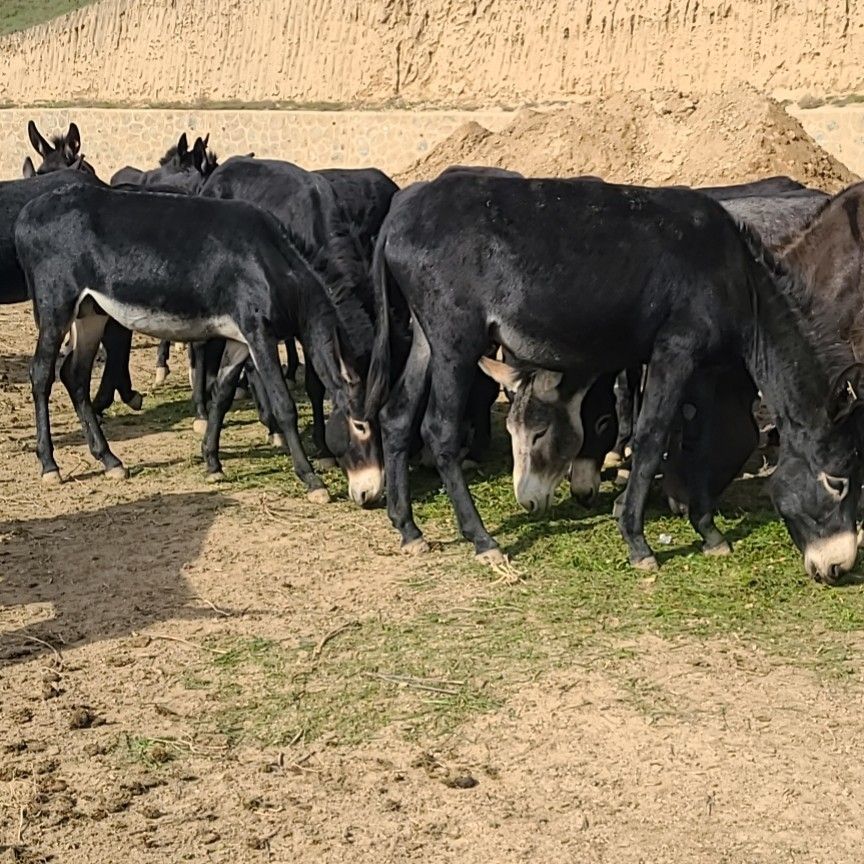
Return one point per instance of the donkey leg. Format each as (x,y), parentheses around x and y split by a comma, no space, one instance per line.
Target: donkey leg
(42,372)
(315,388)
(442,430)
(200,359)
(221,398)
(672,363)
(163,352)
(118,349)
(262,406)
(398,421)
(75,374)
(266,359)
(293,362)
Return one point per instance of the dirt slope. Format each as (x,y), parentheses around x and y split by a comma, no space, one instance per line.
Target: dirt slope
(436,52)
(656,137)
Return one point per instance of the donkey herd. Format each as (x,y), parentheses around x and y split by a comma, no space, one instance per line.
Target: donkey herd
(621,321)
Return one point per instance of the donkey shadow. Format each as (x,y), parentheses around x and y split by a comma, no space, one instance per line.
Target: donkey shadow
(101,574)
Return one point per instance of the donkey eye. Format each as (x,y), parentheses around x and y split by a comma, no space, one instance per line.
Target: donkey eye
(539,435)
(602,424)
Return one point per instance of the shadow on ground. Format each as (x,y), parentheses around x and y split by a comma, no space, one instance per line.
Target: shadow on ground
(84,577)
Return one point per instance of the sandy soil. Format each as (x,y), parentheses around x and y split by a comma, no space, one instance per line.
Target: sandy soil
(655,137)
(113,595)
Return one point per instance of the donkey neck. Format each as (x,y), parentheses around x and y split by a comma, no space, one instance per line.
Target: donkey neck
(786,368)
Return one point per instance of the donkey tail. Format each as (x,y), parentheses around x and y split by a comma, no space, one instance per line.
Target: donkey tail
(378,380)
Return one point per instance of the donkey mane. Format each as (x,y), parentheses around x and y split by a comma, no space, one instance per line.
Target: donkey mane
(338,269)
(58,141)
(172,154)
(784,306)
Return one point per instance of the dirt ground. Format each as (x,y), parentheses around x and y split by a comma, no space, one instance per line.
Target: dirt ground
(145,625)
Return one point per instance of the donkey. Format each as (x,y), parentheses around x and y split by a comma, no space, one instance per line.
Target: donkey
(549,278)
(235,273)
(305,203)
(826,252)
(64,151)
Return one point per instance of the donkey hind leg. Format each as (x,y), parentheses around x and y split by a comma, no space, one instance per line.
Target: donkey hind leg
(398,420)
(42,372)
(293,363)
(442,429)
(265,356)
(315,389)
(118,348)
(222,396)
(205,359)
(672,363)
(163,352)
(86,333)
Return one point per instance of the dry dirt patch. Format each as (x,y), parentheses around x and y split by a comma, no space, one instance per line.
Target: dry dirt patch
(657,138)
(154,634)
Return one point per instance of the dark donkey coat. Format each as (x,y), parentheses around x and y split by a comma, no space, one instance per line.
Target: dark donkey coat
(233,271)
(585,278)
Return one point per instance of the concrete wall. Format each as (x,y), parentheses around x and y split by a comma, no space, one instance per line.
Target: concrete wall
(390,140)
(440,53)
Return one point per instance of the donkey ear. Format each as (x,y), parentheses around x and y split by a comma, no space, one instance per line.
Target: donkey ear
(847,394)
(73,142)
(508,377)
(199,155)
(545,381)
(182,145)
(206,140)
(346,370)
(28,170)
(40,145)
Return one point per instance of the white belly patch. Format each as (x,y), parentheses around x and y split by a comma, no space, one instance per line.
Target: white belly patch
(161,325)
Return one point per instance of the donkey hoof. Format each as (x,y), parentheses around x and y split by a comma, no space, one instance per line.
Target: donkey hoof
(415,547)
(648,563)
(612,460)
(500,564)
(325,463)
(118,472)
(241,394)
(676,507)
(161,374)
(318,496)
(199,426)
(277,439)
(52,478)
(718,551)
(136,401)
(215,477)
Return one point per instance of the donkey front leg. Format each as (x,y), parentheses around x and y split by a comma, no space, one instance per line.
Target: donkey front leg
(266,359)
(315,389)
(118,349)
(672,363)
(442,430)
(75,374)
(163,352)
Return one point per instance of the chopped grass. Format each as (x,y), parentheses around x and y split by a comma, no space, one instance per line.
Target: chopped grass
(20,14)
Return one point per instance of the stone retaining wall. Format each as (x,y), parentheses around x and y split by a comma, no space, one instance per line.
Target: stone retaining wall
(391,140)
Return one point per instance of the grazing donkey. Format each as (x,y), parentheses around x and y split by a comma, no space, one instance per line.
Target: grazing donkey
(232,272)
(306,204)
(822,244)
(582,278)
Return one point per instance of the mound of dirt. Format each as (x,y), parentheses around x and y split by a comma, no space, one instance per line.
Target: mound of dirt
(654,138)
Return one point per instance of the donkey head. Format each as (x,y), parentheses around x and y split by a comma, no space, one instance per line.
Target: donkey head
(817,483)
(64,151)
(545,426)
(352,438)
